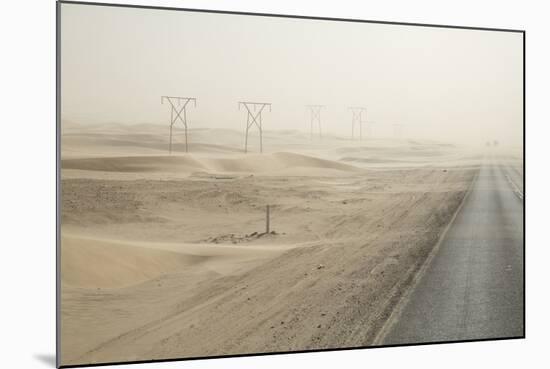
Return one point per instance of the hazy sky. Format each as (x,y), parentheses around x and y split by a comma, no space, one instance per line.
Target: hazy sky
(445,84)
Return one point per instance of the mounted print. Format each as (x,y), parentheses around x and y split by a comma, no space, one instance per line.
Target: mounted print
(241,184)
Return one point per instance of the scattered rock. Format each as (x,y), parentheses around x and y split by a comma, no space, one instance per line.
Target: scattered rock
(320,266)
(235,238)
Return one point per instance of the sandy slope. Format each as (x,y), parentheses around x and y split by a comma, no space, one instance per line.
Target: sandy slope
(253,163)
(164,257)
(100,263)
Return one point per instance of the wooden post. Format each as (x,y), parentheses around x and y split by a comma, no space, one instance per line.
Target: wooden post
(267,219)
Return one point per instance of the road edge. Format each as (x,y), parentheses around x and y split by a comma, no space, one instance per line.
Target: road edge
(402,302)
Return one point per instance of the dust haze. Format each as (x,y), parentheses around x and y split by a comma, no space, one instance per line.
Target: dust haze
(444,84)
(168,251)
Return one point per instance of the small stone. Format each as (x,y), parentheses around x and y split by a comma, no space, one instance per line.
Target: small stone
(320,266)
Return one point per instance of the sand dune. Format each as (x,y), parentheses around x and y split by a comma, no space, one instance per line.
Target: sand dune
(252,163)
(339,252)
(100,263)
(117,140)
(97,145)
(274,162)
(161,255)
(95,263)
(135,164)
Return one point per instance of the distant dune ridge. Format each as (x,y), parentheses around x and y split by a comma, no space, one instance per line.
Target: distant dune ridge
(129,148)
(135,164)
(167,256)
(253,163)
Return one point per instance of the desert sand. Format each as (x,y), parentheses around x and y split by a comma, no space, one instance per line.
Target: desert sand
(166,256)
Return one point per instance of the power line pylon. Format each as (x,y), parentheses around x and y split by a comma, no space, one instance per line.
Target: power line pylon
(357,118)
(315,117)
(254,116)
(177,106)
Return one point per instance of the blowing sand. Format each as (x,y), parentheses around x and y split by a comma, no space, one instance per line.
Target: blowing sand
(167,256)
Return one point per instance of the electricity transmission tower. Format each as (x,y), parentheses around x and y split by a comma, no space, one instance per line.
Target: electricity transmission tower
(254,116)
(398,130)
(315,117)
(178,105)
(357,119)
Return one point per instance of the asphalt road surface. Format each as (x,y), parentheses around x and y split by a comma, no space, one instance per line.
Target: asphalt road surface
(473,286)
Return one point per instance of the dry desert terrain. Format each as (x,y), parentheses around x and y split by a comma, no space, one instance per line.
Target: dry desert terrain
(166,256)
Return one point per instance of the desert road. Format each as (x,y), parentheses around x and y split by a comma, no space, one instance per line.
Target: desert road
(472,288)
